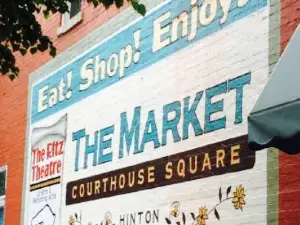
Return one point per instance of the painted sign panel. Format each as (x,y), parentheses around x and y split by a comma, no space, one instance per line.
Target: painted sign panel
(168,144)
(46,166)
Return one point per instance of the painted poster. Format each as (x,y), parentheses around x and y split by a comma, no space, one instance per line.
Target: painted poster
(47,156)
(157,123)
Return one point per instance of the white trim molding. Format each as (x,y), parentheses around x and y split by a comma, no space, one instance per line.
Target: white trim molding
(67,22)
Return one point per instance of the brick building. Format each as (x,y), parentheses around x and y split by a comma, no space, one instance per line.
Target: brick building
(194,72)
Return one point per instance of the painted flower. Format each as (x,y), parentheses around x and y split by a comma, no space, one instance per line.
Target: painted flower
(203,216)
(71,220)
(175,209)
(107,222)
(239,198)
(108,218)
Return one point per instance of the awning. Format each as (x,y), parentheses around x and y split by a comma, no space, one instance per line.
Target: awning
(275,119)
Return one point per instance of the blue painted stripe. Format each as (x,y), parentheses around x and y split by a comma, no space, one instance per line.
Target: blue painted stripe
(125,37)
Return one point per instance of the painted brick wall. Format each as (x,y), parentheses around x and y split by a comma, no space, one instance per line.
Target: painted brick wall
(151,83)
(13,101)
(289,165)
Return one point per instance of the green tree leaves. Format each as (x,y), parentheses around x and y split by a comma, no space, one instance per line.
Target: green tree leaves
(21,32)
(140,8)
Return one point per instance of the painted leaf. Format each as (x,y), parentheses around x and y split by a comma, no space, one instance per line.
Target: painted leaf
(183,218)
(76,216)
(193,216)
(228,190)
(168,221)
(220,194)
(217,214)
(178,223)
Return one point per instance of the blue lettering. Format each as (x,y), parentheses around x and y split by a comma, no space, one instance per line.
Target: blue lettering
(210,108)
(76,137)
(128,134)
(171,124)
(91,149)
(150,135)
(105,144)
(238,84)
(190,116)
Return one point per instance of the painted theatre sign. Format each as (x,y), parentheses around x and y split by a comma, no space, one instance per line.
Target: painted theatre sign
(153,130)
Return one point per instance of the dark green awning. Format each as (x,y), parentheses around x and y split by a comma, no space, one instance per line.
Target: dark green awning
(275,119)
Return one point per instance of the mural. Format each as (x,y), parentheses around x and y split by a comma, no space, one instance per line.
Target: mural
(153,130)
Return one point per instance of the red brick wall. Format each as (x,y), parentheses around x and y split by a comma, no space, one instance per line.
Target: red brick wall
(290,18)
(289,178)
(13,101)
